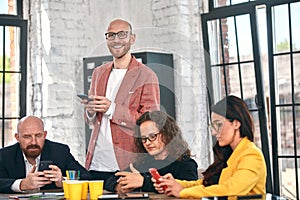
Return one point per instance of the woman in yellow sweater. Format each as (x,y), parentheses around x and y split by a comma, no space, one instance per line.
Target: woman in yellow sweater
(239,167)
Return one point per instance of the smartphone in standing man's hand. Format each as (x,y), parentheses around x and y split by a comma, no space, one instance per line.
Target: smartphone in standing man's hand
(84,97)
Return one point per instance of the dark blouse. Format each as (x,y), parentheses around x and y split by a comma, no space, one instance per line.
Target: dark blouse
(186,169)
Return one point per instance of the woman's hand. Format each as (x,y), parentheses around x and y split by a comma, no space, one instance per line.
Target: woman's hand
(129,181)
(173,187)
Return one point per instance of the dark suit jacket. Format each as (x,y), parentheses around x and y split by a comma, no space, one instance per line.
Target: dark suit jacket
(12,164)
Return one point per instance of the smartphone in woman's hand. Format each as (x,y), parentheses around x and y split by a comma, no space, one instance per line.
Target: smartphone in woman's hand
(156,176)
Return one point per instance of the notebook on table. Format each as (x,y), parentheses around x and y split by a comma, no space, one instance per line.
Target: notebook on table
(40,195)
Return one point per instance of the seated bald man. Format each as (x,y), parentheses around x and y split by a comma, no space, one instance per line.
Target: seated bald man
(19,162)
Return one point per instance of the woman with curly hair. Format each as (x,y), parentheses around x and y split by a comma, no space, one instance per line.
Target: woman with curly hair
(239,167)
(159,144)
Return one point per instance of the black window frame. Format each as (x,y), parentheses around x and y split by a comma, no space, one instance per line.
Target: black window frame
(15,21)
(273,179)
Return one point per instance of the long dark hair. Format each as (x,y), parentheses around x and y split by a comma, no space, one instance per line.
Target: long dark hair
(232,108)
(170,132)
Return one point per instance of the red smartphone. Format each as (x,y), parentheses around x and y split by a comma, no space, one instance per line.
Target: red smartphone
(154,173)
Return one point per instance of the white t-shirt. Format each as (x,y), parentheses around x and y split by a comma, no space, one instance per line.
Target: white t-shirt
(104,158)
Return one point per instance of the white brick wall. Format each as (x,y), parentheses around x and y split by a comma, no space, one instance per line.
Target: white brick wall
(62,32)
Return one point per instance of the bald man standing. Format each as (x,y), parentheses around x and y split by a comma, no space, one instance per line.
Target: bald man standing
(120,92)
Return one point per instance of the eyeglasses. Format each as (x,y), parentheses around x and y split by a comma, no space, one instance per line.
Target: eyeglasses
(120,34)
(152,137)
(216,126)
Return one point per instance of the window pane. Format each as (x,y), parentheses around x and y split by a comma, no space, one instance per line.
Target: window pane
(244,37)
(12,95)
(11,50)
(257,138)
(248,80)
(5,9)
(1,97)
(285,131)
(297,120)
(298,168)
(218,83)
(214,42)
(238,1)
(2,42)
(296,63)
(283,78)
(14,48)
(9,131)
(231,40)
(233,80)
(288,176)
(295,16)
(219,3)
(281,29)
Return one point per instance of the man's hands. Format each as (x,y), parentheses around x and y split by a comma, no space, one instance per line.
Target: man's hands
(129,181)
(54,175)
(38,179)
(98,104)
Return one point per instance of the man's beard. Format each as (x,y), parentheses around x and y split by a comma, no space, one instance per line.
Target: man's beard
(120,54)
(32,154)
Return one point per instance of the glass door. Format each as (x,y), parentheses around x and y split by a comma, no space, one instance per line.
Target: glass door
(233,66)
(284,58)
